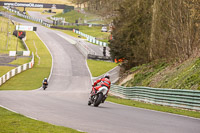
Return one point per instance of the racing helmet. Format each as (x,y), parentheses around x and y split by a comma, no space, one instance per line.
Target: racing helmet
(107,76)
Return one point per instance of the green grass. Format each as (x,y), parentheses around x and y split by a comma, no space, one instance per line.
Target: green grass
(11,44)
(69,32)
(2,9)
(173,75)
(185,76)
(32,78)
(21,61)
(153,107)
(16,123)
(5,69)
(73,15)
(94,31)
(12,40)
(98,68)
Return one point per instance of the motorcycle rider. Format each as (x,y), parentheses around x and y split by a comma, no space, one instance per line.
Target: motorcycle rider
(45,83)
(104,82)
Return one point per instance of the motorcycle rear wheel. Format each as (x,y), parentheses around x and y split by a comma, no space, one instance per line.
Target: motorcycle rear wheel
(98,100)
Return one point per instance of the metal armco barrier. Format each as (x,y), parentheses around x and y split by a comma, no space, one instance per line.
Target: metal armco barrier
(91,38)
(188,99)
(62,28)
(84,49)
(97,57)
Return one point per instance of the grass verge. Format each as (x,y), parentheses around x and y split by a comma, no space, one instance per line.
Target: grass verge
(94,31)
(73,15)
(8,43)
(145,73)
(153,107)
(98,68)
(184,76)
(4,70)
(2,9)
(17,123)
(32,78)
(20,61)
(69,32)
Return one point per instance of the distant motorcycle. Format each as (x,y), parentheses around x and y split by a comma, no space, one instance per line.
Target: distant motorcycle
(98,97)
(44,85)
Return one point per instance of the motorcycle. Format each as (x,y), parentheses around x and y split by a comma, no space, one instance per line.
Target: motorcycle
(44,85)
(98,97)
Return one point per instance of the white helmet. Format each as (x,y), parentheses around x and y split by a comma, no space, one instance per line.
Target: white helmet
(107,76)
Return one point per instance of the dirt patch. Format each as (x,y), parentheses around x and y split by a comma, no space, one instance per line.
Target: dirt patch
(5,59)
(129,77)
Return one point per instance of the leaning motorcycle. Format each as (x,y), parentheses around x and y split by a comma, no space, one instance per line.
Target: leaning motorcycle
(98,97)
(44,85)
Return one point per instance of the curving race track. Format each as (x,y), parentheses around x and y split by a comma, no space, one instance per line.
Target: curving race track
(65,100)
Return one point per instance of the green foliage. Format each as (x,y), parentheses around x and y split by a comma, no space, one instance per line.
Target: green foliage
(17,123)
(145,31)
(154,107)
(131,32)
(98,68)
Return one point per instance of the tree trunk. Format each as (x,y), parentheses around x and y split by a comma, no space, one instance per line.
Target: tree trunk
(153,28)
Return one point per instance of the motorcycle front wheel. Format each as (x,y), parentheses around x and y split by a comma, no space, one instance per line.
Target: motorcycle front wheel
(89,103)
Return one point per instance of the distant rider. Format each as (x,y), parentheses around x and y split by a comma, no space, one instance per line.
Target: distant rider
(104,82)
(45,83)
